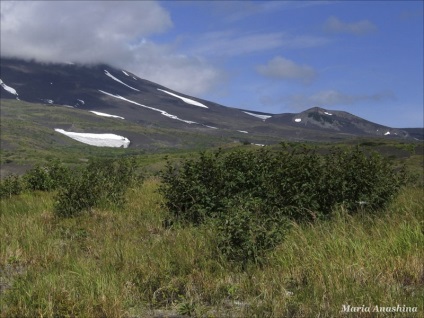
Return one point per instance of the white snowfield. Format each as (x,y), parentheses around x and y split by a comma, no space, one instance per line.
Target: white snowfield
(243,131)
(164,113)
(298,120)
(327,113)
(125,72)
(98,140)
(119,81)
(105,115)
(185,99)
(387,133)
(81,101)
(8,88)
(263,117)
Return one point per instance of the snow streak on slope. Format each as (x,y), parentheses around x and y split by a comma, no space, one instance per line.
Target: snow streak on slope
(151,108)
(119,81)
(99,140)
(185,99)
(105,115)
(8,88)
(263,117)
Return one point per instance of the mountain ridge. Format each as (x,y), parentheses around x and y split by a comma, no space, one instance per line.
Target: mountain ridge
(121,95)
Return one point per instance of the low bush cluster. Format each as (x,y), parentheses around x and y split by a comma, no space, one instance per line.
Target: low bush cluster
(46,177)
(11,185)
(251,195)
(100,183)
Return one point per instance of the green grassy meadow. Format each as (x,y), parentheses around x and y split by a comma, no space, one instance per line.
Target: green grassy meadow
(125,263)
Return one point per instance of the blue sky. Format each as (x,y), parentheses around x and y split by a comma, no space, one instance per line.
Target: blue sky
(362,57)
(271,56)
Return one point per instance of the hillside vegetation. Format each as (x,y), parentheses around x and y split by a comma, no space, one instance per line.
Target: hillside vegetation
(158,247)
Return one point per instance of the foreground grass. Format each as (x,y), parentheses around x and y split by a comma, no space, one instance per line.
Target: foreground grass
(125,263)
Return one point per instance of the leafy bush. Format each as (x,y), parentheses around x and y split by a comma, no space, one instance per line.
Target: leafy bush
(245,234)
(101,183)
(48,177)
(11,185)
(354,178)
(251,194)
(302,182)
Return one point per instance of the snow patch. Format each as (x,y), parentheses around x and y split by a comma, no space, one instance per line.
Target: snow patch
(185,99)
(298,120)
(260,145)
(119,81)
(81,101)
(387,133)
(98,140)
(11,90)
(243,131)
(164,113)
(211,127)
(125,72)
(263,117)
(105,115)
(327,113)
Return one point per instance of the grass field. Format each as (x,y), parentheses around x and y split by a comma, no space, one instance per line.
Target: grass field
(125,263)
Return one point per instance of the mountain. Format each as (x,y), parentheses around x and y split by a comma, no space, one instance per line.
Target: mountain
(128,101)
(416,133)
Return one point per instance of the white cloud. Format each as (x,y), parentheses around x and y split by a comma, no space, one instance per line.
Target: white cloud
(235,11)
(233,43)
(335,25)
(79,31)
(325,98)
(112,32)
(329,98)
(183,73)
(285,69)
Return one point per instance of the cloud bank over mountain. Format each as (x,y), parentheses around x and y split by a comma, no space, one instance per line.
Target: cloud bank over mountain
(87,32)
(101,31)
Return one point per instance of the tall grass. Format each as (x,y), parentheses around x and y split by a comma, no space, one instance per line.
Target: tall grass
(126,263)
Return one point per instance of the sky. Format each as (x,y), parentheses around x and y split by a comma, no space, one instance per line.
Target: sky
(364,57)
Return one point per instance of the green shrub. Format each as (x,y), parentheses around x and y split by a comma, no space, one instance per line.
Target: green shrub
(303,183)
(354,178)
(246,233)
(48,177)
(251,194)
(11,185)
(101,183)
